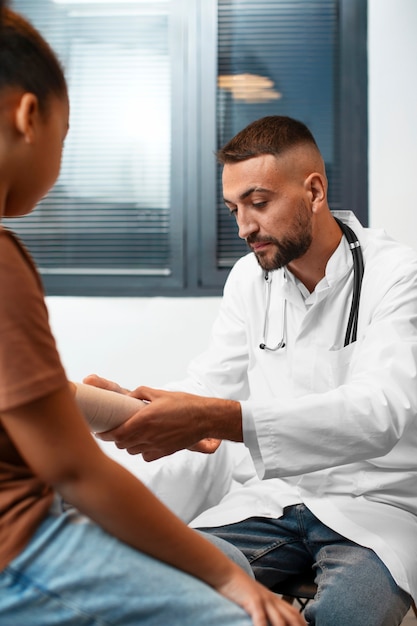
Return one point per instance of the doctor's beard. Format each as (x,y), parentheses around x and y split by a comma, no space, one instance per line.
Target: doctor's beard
(289,247)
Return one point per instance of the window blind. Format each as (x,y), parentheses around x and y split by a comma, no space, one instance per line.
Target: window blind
(277,57)
(109,212)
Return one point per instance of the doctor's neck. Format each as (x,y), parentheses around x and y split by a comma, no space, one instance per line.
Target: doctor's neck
(310,268)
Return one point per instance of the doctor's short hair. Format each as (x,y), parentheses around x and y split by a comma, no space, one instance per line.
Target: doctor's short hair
(26,59)
(273,134)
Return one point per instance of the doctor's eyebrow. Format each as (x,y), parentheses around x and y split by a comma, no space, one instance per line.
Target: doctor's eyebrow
(247,193)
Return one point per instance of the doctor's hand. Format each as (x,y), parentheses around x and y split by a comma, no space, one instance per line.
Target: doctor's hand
(205,446)
(173,421)
(104,383)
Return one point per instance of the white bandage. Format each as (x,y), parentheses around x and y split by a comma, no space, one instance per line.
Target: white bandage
(103,409)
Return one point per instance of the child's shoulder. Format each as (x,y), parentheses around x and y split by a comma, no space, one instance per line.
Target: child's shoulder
(15,259)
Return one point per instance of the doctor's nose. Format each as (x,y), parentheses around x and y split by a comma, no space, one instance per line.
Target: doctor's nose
(247,226)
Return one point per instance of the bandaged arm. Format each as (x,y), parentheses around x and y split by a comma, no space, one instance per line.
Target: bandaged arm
(103,409)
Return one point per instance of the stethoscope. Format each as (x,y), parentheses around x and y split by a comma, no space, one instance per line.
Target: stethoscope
(352,325)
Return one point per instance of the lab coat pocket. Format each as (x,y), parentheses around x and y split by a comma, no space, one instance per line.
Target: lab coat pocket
(332,368)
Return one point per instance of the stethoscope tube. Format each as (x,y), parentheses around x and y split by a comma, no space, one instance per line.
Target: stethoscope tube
(281,344)
(358,269)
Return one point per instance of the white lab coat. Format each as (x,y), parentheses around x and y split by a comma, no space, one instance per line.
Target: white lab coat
(331,426)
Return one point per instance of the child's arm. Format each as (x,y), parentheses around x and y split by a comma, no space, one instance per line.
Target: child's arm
(54,439)
(103,409)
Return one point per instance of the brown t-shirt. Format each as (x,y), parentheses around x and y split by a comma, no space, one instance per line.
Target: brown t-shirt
(30,368)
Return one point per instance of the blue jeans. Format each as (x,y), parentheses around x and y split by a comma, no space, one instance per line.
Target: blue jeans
(72,573)
(354,586)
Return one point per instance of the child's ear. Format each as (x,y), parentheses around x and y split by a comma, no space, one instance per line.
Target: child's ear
(26,116)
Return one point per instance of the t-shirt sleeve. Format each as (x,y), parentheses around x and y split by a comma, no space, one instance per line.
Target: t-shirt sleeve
(30,366)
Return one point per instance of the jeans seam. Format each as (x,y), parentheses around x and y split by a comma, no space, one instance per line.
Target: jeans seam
(320,563)
(261,553)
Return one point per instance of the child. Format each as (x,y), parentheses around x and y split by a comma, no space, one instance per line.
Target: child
(117,555)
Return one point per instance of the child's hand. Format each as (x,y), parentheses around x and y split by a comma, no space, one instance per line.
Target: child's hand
(264,607)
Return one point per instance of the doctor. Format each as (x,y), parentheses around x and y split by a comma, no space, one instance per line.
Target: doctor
(314,368)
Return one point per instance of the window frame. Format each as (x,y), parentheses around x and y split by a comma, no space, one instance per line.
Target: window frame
(193,214)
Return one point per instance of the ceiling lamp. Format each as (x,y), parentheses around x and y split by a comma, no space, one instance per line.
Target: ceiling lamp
(249,88)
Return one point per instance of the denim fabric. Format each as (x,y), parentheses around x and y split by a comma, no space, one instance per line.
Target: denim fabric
(354,586)
(72,573)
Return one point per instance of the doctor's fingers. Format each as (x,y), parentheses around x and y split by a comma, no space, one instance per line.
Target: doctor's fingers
(158,446)
(150,429)
(152,455)
(98,381)
(128,433)
(149,452)
(148,393)
(208,445)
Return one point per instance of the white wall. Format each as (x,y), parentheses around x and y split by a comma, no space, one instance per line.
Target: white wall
(150,340)
(392,65)
(135,341)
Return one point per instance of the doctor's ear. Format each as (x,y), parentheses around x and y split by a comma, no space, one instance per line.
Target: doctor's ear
(316,187)
(26,116)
